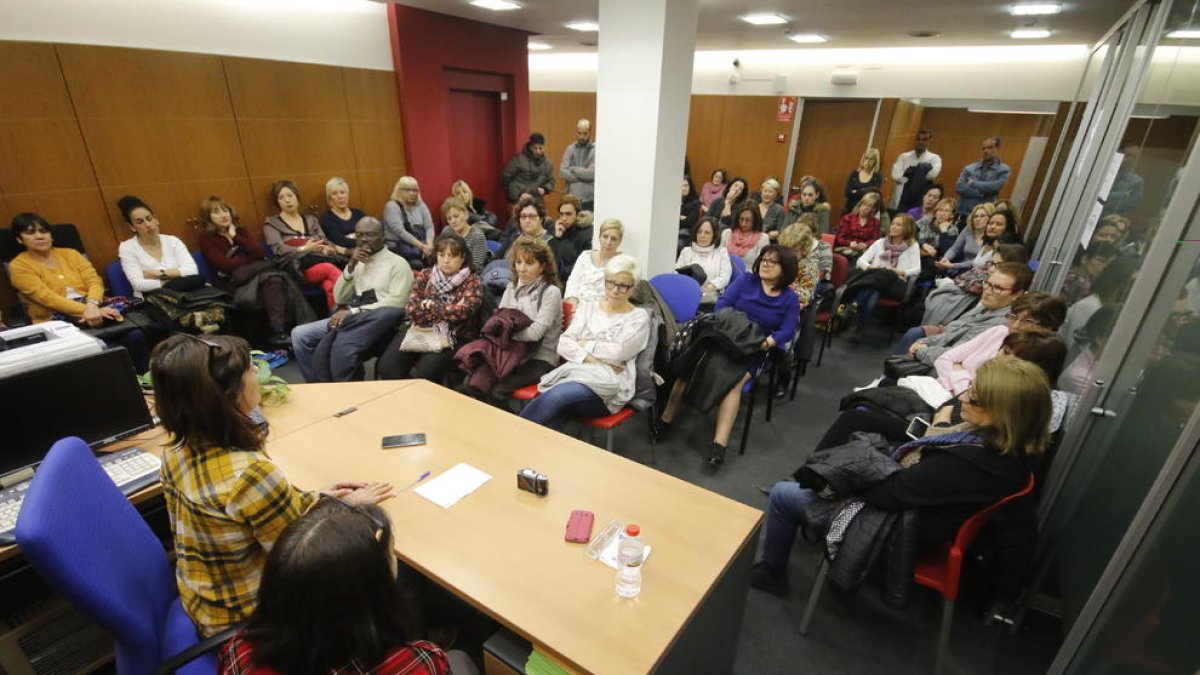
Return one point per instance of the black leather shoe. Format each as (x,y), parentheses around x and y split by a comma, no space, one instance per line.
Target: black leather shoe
(765,579)
(280,340)
(716,454)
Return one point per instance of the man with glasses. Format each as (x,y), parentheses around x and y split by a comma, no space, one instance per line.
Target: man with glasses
(1006,283)
(371,295)
(982,181)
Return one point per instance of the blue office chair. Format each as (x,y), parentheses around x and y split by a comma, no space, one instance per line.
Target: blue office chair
(85,538)
(680,292)
(202,268)
(118,283)
(739,265)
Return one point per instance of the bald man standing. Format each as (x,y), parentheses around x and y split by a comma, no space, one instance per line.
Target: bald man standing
(578,167)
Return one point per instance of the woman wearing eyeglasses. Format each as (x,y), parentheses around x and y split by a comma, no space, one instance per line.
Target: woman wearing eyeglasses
(765,298)
(330,602)
(600,347)
(408,223)
(226,499)
(946,477)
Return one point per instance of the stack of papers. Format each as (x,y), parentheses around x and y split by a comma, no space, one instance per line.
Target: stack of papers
(460,481)
(540,664)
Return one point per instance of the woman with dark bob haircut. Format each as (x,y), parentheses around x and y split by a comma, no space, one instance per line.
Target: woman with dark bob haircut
(765,297)
(61,284)
(329,602)
(445,298)
(227,501)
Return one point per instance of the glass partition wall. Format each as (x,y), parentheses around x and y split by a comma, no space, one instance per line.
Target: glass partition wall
(1122,243)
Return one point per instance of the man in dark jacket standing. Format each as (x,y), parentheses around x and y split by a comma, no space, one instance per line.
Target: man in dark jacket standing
(529,170)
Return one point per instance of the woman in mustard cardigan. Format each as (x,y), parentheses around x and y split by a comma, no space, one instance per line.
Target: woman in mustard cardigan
(59,283)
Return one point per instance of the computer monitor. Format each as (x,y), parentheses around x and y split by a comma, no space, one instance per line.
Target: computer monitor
(95,397)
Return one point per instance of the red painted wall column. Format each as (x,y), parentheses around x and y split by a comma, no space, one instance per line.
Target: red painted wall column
(424,45)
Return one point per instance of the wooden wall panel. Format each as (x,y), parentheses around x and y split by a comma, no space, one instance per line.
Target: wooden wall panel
(705,118)
(833,135)
(81,126)
(901,135)
(747,143)
(554,114)
(958,135)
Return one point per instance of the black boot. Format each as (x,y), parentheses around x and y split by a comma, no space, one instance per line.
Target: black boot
(716,454)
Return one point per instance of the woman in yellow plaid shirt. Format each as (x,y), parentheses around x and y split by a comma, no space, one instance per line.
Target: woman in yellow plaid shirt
(227,501)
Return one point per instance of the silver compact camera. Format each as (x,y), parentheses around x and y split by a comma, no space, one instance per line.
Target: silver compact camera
(532,481)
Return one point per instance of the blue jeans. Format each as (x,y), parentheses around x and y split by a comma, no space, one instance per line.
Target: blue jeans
(785,515)
(563,402)
(866,299)
(326,355)
(910,336)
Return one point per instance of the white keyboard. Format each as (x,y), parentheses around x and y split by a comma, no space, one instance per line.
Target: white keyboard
(131,469)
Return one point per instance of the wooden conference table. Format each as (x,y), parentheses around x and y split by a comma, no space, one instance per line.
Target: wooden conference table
(502,549)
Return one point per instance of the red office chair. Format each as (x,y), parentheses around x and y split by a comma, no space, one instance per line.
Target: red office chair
(530,391)
(825,310)
(940,571)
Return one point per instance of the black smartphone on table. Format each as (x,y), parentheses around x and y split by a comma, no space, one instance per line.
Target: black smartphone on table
(403,441)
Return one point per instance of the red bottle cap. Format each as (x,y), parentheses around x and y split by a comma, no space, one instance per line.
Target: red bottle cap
(633,530)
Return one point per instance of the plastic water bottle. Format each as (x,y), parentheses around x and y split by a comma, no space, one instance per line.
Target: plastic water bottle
(629,562)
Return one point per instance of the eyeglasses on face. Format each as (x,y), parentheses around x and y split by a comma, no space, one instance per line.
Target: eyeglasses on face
(768,262)
(617,286)
(1018,320)
(529,216)
(989,286)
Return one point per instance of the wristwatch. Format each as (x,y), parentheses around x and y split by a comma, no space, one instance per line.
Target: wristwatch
(162,274)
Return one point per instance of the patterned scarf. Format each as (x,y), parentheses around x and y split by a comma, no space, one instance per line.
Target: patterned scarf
(740,241)
(891,252)
(443,285)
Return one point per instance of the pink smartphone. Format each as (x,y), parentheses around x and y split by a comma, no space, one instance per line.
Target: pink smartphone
(579,526)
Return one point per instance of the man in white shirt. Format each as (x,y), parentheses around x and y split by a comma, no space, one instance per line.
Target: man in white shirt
(371,295)
(913,173)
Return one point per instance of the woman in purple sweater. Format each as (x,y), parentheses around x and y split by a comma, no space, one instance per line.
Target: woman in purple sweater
(764,295)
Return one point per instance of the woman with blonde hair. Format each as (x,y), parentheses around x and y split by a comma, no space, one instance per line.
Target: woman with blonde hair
(863,179)
(800,239)
(408,224)
(946,476)
(477,211)
(586,283)
(339,219)
(961,256)
(883,271)
(457,218)
(769,209)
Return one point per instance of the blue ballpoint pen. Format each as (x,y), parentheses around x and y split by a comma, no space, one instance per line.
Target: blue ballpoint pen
(414,483)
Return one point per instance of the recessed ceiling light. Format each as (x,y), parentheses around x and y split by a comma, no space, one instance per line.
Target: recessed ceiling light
(1038,9)
(764,19)
(584,26)
(496,5)
(1030,33)
(539,46)
(808,38)
(1185,34)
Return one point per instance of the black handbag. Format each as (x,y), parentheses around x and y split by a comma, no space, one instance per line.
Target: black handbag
(898,366)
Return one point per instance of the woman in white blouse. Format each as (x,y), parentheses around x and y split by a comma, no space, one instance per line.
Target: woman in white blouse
(600,348)
(586,283)
(711,258)
(883,271)
(150,258)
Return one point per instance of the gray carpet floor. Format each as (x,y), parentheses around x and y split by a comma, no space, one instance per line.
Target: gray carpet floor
(850,634)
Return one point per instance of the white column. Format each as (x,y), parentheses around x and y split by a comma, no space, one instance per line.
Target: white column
(643,93)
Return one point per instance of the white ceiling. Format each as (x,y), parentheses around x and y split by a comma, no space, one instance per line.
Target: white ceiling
(847,23)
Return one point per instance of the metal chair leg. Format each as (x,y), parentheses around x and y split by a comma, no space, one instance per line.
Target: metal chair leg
(944,637)
(771,389)
(826,339)
(608,441)
(748,420)
(813,597)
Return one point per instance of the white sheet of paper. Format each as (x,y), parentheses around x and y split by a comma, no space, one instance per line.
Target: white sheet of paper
(451,486)
(609,555)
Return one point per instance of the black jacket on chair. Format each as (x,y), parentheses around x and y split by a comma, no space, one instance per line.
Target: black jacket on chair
(718,351)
